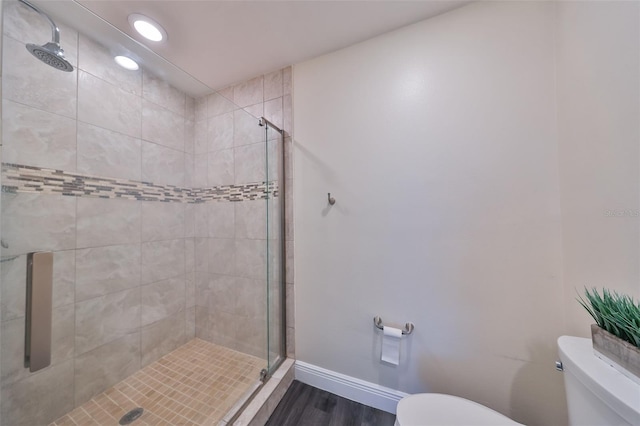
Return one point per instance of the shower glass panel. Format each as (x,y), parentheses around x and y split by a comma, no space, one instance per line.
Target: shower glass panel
(274,155)
(166,245)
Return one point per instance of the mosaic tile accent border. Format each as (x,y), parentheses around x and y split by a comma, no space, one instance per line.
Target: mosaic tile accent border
(21,178)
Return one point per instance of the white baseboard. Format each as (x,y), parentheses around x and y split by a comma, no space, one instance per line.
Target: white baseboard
(366,393)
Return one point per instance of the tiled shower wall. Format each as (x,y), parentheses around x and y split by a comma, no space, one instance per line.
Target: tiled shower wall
(230,259)
(127,272)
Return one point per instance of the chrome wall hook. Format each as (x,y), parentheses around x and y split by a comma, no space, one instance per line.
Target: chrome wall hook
(331,200)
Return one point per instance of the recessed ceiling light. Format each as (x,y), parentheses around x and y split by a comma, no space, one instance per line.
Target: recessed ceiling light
(147,27)
(126,63)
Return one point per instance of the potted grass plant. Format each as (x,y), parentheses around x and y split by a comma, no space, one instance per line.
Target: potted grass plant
(616,333)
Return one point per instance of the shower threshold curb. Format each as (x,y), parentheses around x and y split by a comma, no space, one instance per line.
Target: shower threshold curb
(267,399)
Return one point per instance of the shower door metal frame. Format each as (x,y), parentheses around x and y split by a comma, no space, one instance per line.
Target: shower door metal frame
(281,195)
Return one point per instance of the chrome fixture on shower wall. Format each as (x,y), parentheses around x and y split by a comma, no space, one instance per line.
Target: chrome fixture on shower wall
(50,53)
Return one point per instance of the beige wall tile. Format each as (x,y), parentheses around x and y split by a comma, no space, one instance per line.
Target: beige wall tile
(12,292)
(220,168)
(203,330)
(162,260)
(162,337)
(162,221)
(106,318)
(39,398)
(222,329)
(201,254)
(287,115)
(248,92)
(64,268)
(220,132)
(286,81)
(162,165)
(104,222)
(200,172)
(250,258)
(251,219)
(201,217)
(290,305)
(189,136)
(200,137)
(291,342)
(190,289)
(203,288)
(162,299)
(250,163)
(246,129)
(273,85)
(161,126)
(106,365)
(289,263)
(221,219)
(38,138)
(117,110)
(62,333)
(103,152)
(188,170)
(161,93)
(288,207)
(104,270)
(217,104)
(33,222)
(288,158)
(221,256)
(189,220)
(251,336)
(222,293)
(189,255)
(13,332)
(273,111)
(200,109)
(190,323)
(251,297)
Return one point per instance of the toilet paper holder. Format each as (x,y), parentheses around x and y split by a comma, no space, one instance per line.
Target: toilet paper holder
(408,327)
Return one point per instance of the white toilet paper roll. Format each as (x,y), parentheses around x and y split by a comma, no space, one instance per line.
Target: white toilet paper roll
(391,345)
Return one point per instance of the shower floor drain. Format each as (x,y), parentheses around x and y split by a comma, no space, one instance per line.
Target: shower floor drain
(131,416)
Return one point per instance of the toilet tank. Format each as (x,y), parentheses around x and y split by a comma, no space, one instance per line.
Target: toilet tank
(597,394)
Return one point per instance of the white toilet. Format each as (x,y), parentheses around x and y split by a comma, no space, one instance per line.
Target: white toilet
(597,394)
(434,409)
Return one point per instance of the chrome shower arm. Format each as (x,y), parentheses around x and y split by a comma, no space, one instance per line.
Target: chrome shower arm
(55,32)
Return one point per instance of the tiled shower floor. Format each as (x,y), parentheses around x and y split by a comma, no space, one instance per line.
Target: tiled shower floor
(194,385)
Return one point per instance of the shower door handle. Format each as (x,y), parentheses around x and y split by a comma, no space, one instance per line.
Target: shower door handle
(39,310)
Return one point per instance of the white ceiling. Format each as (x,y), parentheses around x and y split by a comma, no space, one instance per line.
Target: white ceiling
(224,42)
(213,44)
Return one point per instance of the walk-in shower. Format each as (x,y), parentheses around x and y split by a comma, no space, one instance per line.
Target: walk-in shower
(159,208)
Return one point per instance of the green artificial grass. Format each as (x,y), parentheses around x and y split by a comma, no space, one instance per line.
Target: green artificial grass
(616,313)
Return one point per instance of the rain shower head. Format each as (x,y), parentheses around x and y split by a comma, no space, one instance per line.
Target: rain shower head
(50,53)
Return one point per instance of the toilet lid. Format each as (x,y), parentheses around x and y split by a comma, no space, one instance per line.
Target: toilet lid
(427,409)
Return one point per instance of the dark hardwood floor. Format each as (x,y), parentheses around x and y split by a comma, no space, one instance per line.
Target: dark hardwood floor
(304,405)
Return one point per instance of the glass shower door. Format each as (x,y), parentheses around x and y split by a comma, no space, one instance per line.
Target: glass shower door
(275,245)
